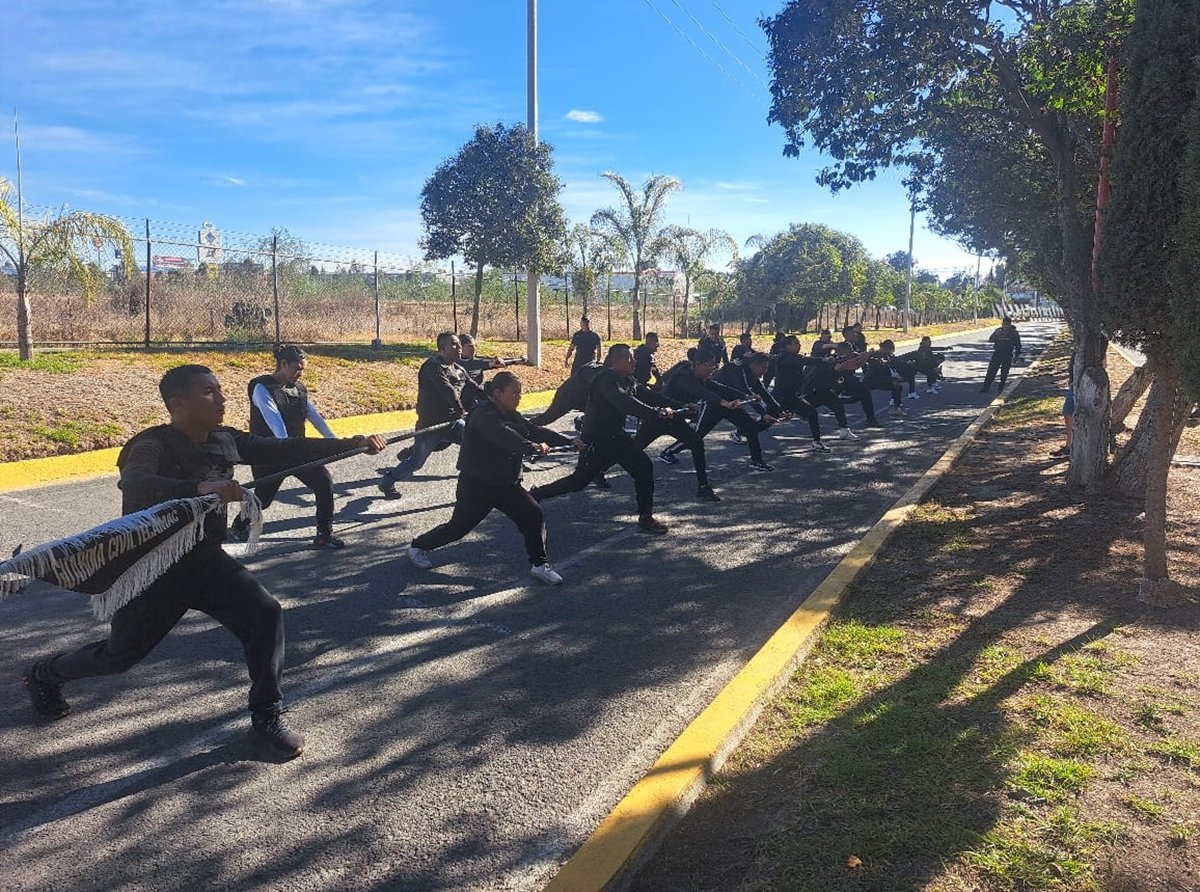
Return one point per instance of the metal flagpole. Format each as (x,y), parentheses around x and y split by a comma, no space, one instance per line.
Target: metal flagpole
(533,310)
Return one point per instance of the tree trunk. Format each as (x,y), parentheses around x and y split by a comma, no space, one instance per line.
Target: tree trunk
(637,322)
(1157,434)
(1089,442)
(687,293)
(475,304)
(1131,391)
(1164,407)
(24,338)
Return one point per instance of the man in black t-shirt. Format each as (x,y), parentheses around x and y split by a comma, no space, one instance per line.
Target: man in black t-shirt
(585,346)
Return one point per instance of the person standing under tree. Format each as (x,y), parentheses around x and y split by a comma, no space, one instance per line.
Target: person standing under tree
(279,407)
(1006,349)
(714,344)
(585,346)
(193,456)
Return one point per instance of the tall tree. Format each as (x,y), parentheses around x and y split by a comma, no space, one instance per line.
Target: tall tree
(1147,289)
(876,83)
(588,254)
(53,242)
(495,203)
(796,271)
(637,224)
(690,250)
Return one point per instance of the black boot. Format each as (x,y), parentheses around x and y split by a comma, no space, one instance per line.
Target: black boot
(271,730)
(46,696)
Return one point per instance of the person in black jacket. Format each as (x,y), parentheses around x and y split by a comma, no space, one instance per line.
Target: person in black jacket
(441,384)
(745,345)
(644,367)
(791,369)
(585,346)
(496,441)
(1006,349)
(845,382)
(615,395)
(878,374)
(714,344)
(475,366)
(279,407)
(928,363)
(823,345)
(690,383)
(191,456)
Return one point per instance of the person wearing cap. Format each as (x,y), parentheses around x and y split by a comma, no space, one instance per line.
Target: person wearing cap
(585,346)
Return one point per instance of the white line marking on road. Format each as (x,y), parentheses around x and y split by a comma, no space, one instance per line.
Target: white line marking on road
(25,503)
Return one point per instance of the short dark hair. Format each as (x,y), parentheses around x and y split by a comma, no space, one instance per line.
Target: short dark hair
(702,356)
(289,354)
(465,339)
(756,358)
(843,347)
(889,344)
(651,334)
(714,325)
(1007,319)
(746,336)
(613,352)
(583,319)
(179,381)
(502,381)
(444,337)
(790,339)
(826,331)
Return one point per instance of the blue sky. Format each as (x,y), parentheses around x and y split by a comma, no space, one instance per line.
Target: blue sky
(326,116)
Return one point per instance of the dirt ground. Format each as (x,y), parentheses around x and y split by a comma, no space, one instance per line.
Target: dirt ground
(990,709)
(78,400)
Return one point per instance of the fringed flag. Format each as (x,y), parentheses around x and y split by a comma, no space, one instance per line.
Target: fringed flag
(117,561)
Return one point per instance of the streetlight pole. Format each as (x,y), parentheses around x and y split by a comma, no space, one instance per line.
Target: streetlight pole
(912,225)
(533,326)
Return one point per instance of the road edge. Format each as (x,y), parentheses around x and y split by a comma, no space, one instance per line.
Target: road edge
(79,466)
(611,856)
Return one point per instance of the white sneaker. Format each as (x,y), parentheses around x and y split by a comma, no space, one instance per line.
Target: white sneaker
(914,396)
(545,573)
(420,559)
(846,434)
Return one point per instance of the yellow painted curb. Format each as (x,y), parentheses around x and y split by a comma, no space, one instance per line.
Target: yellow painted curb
(610,857)
(103,462)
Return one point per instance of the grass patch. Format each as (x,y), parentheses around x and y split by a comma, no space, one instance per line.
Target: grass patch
(1082,672)
(1146,809)
(1041,778)
(1073,731)
(1023,411)
(57,363)
(73,434)
(1178,750)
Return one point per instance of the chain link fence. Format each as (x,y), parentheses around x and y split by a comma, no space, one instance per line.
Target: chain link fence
(200,285)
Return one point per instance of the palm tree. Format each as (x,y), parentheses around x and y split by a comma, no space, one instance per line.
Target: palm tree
(689,249)
(588,255)
(53,242)
(636,226)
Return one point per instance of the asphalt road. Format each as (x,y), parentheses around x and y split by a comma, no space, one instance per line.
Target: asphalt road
(467,727)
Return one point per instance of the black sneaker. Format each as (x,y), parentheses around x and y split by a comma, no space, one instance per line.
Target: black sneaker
(271,730)
(648,524)
(760,466)
(818,446)
(875,423)
(239,530)
(387,486)
(668,457)
(601,483)
(47,698)
(329,542)
(736,437)
(707,494)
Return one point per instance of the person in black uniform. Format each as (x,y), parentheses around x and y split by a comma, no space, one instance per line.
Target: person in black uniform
(644,367)
(847,383)
(690,383)
(714,344)
(441,385)
(1006,349)
(279,407)
(928,363)
(191,456)
(585,346)
(823,345)
(746,376)
(790,371)
(902,368)
(858,340)
(879,375)
(745,345)
(571,395)
(615,395)
(729,392)
(496,441)
(820,385)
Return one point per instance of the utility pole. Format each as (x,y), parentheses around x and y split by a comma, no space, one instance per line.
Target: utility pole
(975,293)
(533,309)
(912,225)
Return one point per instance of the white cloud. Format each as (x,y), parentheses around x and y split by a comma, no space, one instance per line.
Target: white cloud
(232,181)
(726,186)
(581,116)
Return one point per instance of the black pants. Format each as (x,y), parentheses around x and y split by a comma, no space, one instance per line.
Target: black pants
(209,581)
(712,414)
(797,404)
(855,388)
(474,500)
(559,406)
(885,382)
(908,373)
(999,363)
(649,431)
(316,479)
(829,400)
(597,459)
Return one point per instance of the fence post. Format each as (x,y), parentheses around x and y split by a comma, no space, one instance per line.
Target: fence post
(517,303)
(377,343)
(610,309)
(454,297)
(567,300)
(149,273)
(275,284)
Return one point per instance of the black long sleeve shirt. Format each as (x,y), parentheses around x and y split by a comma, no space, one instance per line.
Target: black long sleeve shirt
(740,378)
(682,384)
(495,441)
(440,389)
(1006,343)
(611,399)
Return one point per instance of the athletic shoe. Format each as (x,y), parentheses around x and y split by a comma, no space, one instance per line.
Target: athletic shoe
(270,729)
(874,423)
(707,494)
(330,542)
(388,487)
(239,530)
(914,396)
(648,524)
(844,433)
(602,483)
(47,698)
(420,558)
(760,466)
(668,458)
(545,573)
(896,410)
(736,437)
(818,446)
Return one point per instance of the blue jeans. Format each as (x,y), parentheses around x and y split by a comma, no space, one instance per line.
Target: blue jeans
(424,445)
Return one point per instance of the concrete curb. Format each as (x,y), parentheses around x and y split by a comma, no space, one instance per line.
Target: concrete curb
(103,462)
(629,835)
